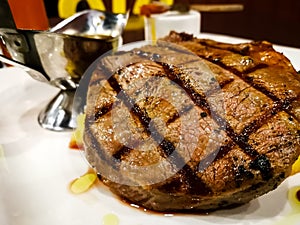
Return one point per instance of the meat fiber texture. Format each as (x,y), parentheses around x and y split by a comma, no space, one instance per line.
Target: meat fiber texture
(191,124)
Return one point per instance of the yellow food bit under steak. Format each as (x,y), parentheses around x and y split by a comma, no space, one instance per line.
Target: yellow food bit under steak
(76,141)
(296,166)
(83,183)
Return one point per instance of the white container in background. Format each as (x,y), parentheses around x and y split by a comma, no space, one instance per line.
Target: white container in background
(160,25)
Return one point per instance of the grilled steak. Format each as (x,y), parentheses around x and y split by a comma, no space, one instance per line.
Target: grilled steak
(196,125)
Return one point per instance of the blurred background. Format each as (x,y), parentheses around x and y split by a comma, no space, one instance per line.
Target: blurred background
(276,21)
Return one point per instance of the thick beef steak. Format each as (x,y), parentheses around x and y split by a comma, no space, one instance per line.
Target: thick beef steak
(194,125)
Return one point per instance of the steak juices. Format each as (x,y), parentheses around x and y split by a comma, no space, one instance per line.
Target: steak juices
(192,124)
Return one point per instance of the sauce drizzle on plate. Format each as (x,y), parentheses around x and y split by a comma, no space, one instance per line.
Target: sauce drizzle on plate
(292,218)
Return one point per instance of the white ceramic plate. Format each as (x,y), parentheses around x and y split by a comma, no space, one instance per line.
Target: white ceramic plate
(36,168)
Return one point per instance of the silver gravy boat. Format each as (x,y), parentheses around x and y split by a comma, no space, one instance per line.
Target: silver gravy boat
(61,55)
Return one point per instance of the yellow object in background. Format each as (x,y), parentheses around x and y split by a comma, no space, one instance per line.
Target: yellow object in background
(67,8)
(118,6)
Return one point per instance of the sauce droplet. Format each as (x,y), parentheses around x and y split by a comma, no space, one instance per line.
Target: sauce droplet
(83,183)
(294,198)
(293,217)
(110,219)
(298,195)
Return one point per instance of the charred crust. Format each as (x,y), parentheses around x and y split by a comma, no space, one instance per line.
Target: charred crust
(177,115)
(203,114)
(223,150)
(99,112)
(175,74)
(262,164)
(99,151)
(242,174)
(122,152)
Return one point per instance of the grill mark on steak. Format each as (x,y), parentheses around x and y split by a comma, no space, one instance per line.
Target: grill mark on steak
(201,101)
(221,84)
(280,104)
(122,152)
(167,147)
(145,120)
(99,112)
(243,75)
(224,149)
(109,160)
(198,98)
(176,116)
(240,139)
(254,125)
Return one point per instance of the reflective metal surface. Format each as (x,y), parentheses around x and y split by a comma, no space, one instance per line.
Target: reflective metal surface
(64,58)
(32,72)
(58,114)
(93,23)
(61,55)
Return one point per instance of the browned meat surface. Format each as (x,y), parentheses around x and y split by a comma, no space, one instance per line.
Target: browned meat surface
(172,130)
